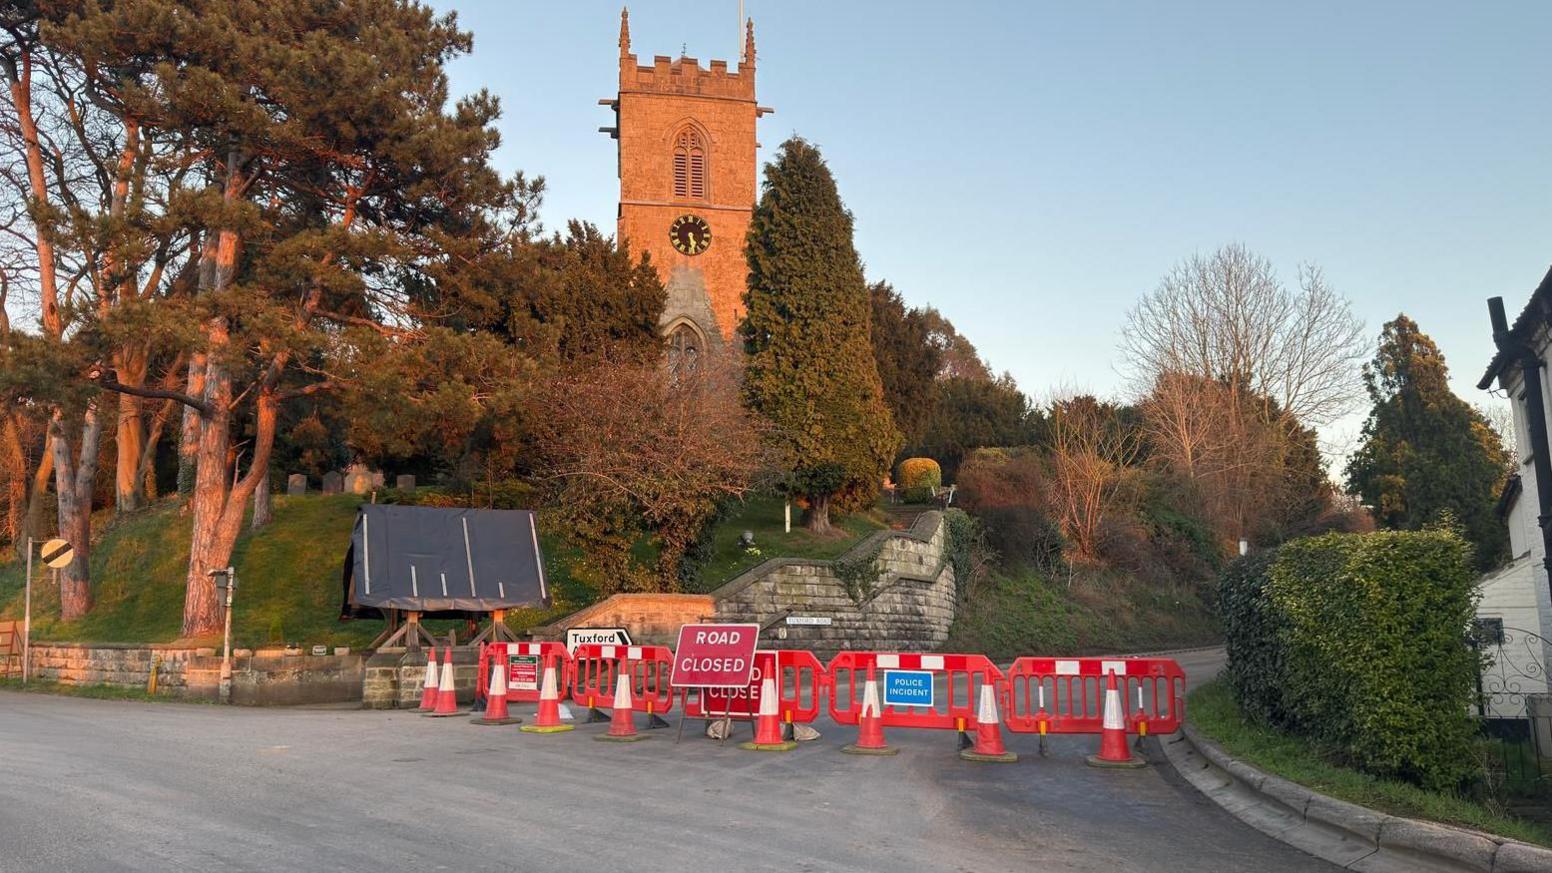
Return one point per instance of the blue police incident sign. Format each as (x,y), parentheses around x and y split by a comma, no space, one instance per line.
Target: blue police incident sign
(907,688)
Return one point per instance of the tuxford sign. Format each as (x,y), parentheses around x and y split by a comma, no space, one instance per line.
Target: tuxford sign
(715,655)
(603,636)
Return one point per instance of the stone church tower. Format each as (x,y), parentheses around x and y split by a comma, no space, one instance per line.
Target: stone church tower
(687,184)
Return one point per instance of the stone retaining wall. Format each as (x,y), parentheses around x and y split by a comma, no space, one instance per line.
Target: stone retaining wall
(908,607)
(262,678)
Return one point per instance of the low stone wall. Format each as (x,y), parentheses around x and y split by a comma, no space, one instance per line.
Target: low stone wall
(393,678)
(262,678)
(908,607)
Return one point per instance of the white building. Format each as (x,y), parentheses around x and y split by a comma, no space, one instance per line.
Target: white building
(1516,605)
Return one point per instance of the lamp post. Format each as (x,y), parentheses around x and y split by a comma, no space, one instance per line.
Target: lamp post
(229,582)
(27,619)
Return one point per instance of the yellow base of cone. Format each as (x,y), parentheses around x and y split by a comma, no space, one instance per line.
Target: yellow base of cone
(552,729)
(610,738)
(784,746)
(493,721)
(861,750)
(1133,763)
(973,755)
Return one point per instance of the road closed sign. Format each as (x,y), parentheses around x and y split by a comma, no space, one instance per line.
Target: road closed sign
(715,655)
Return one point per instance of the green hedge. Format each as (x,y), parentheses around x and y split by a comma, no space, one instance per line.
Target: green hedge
(1359,641)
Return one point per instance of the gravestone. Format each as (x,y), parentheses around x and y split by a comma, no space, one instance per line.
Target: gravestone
(333,482)
(404,482)
(378,480)
(358,480)
(296,484)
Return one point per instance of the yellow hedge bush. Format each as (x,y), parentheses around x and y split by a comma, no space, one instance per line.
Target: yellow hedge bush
(918,476)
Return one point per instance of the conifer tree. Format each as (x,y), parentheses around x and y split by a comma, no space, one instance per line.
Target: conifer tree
(810,368)
(1427,456)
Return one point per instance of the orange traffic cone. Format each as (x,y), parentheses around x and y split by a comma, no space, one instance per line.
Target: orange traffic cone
(496,695)
(870,724)
(548,720)
(428,686)
(622,722)
(767,726)
(1113,752)
(446,699)
(988,730)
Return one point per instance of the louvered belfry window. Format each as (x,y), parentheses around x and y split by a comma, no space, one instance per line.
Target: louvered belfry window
(689,166)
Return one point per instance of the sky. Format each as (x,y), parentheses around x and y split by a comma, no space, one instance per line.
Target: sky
(1031,169)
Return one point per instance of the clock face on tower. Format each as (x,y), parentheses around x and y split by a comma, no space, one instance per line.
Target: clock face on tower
(690,234)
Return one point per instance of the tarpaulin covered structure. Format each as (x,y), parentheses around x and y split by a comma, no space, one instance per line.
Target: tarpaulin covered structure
(442,562)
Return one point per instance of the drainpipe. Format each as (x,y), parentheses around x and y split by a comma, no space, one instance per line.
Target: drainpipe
(1535,420)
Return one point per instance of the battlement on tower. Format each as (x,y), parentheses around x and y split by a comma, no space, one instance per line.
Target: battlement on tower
(685,75)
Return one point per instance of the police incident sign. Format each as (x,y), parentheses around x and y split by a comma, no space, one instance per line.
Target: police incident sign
(907,688)
(715,655)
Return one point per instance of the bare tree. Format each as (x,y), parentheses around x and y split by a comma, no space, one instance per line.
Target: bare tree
(1092,459)
(1227,317)
(641,443)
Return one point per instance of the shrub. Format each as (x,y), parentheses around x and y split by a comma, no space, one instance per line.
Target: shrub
(1006,490)
(1359,641)
(1252,631)
(967,551)
(917,477)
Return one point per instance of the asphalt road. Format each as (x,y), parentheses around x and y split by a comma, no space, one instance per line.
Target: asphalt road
(108,785)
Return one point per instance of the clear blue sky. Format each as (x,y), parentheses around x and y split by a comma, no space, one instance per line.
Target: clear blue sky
(1031,168)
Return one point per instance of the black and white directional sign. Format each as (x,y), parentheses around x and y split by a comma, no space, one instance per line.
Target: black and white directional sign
(57,554)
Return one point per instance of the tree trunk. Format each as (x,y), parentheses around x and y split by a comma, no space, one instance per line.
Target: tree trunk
(34,526)
(817,519)
(131,367)
(146,468)
(73,480)
(189,433)
(261,503)
(14,462)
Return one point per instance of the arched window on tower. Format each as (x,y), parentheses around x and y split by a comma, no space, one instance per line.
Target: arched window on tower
(685,348)
(689,165)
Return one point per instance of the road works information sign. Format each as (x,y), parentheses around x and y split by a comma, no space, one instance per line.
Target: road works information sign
(907,687)
(715,655)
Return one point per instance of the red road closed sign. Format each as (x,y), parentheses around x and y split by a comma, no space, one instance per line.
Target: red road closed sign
(715,655)
(742,702)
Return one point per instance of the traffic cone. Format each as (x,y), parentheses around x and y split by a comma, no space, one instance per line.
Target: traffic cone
(1113,752)
(622,722)
(988,730)
(870,724)
(767,730)
(446,699)
(548,720)
(496,695)
(428,686)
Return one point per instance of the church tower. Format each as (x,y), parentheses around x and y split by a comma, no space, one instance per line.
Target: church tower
(687,184)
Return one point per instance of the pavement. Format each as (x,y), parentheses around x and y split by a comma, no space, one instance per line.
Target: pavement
(97,785)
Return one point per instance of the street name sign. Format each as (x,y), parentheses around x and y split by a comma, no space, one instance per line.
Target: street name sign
(908,688)
(715,655)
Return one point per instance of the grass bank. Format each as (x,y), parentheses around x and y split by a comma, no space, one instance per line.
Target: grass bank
(1212,710)
(289,573)
(763,517)
(1022,612)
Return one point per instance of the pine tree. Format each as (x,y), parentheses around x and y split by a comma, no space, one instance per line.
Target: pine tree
(810,368)
(1427,456)
(908,360)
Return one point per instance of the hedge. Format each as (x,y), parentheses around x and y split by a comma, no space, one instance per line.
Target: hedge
(1360,642)
(917,477)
